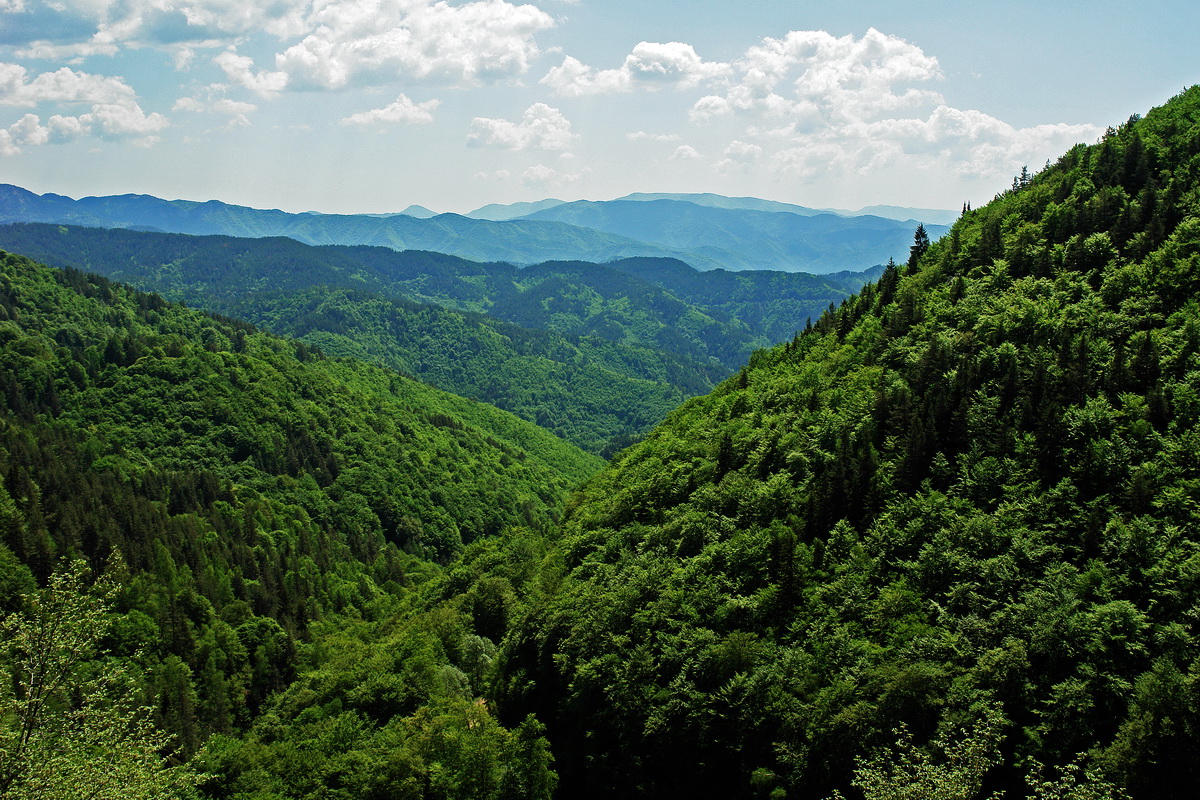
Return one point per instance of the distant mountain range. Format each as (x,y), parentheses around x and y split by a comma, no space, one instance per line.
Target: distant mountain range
(742,238)
(698,230)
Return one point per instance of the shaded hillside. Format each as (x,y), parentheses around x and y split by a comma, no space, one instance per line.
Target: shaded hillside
(745,239)
(968,502)
(586,389)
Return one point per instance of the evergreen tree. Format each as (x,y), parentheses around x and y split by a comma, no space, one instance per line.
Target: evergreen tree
(919,246)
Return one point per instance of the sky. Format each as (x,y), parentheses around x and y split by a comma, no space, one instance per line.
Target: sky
(368,106)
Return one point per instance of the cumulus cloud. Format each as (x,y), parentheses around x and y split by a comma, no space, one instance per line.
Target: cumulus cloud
(114,112)
(540,128)
(213,101)
(401,110)
(73,28)
(813,103)
(815,78)
(329,43)
(651,65)
(240,72)
(371,41)
(61,86)
(739,153)
(108,121)
(685,152)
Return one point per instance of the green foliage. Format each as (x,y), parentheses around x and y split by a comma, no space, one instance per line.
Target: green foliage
(954,770)
(976,481)
(68,728)
(396,708)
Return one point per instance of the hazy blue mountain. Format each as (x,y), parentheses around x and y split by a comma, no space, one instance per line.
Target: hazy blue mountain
(420,212)
(721,201)
(704,236)
(517,242)
(930,216)
(499,213)
(746,239)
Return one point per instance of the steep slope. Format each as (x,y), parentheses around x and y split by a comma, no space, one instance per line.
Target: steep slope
(586,389)
(742,239)
(967,500)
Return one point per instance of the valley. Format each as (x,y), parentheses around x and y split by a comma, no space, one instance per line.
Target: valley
(610,499)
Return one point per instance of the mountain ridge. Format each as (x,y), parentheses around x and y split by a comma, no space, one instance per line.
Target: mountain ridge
(521,241)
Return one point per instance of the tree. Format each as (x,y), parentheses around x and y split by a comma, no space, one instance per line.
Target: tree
(955,763)
(67,726)
(919,246)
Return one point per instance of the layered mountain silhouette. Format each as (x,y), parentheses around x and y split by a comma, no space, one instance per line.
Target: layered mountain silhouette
(701,235)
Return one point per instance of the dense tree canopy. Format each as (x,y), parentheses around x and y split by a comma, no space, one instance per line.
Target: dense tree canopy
(976,482)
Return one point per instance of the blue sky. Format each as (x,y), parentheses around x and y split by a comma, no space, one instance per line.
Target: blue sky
(371,105)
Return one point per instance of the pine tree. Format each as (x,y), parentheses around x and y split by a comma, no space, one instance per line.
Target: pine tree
(919,246)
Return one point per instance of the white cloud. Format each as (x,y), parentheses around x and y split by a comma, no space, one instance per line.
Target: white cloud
(61,86)
(401,110)
(739,153)
(111,121)
(329,43)
(498,175)
(374,41)
(543,177)
(742,151)
(816,104)
(651,65)
(214,103)
(239,70)
(29,131)
(541,128)
(684,153)
(115,121)
(814,78)
(114,112)
(73,28)
(640,136)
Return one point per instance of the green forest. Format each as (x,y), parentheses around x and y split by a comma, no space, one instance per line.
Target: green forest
(942,542)
(596,354)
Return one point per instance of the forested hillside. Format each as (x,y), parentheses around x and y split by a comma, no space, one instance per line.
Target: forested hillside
(961,513)
(588,390)
(602,357)
(243,494)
